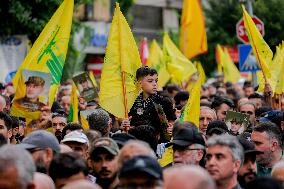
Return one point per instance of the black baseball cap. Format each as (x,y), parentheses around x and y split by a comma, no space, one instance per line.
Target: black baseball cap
(247,144)
(122,138)
(142,164)
(186,135)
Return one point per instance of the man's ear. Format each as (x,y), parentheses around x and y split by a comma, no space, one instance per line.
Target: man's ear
(274,145)
(237,166)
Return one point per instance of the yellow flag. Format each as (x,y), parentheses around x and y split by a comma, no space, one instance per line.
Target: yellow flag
(193,39)
(231,72)
(220,54)
(200,71)
(179,67)
(260,48)
(48,52)
(192,107)
(92,77)
(84,122)
(167,157)
(155,60)
(276,68)
(73,114)
(118,89)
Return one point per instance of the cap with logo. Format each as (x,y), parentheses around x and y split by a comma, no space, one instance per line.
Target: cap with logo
(40,139)
(142,164)
(105,143)
(186,136)
(76,136)
(36,80)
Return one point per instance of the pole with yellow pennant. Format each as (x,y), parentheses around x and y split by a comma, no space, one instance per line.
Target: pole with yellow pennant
(118,88)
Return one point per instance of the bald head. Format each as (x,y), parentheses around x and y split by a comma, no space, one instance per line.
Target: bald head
(42,181)
(178,177)
(134,148)
(81,184)
(278,171)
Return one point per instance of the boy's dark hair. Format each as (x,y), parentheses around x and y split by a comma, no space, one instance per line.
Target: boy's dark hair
(218,101)
(7,120)
(144,71)
(71,127)
(66,165)
(145,133)
(272,130)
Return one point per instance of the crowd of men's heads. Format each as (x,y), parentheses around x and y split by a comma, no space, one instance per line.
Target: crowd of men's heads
(99,153)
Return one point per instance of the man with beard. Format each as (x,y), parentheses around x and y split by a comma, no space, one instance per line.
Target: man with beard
(248,170)
(43,146)
(104,162)
(59,121)
(267,138)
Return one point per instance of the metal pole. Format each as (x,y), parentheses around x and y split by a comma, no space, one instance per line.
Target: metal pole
(250,11)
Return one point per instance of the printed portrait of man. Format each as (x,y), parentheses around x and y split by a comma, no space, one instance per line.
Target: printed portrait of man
(34,88)
(86,88)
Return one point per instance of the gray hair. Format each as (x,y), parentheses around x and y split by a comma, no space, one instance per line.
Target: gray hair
(15,156)
(247,103)
(210,109)
(229,141)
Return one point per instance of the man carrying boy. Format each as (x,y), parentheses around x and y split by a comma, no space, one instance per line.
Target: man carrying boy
(144,109)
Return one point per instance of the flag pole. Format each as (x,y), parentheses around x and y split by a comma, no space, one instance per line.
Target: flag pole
(124,95)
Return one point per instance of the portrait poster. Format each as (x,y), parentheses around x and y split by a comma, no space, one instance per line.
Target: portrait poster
(31,94)
(85,86)
(237,122)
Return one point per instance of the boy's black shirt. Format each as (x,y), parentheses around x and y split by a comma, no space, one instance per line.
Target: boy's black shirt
(143,112)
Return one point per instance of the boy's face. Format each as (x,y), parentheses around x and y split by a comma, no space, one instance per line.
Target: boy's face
(149,84)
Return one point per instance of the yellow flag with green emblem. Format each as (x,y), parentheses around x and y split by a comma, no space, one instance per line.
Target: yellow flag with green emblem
(231,72)
(48,53)
(118,88)
(155,60)
(179,67)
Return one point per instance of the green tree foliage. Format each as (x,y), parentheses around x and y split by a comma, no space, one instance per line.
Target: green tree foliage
(221,19)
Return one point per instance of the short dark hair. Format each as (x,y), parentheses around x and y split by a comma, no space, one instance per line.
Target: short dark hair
(261,110)
(255,95)
(144,71)
(181,96)
(272,130)
(7,120)
(145,133)
(216,127)
(71,127)
(218,101)
(66,165)
(172,87)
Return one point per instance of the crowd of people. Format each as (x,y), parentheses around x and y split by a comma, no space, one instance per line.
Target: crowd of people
(151,149)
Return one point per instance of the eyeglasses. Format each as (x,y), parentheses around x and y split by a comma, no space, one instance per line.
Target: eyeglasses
(184,149)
